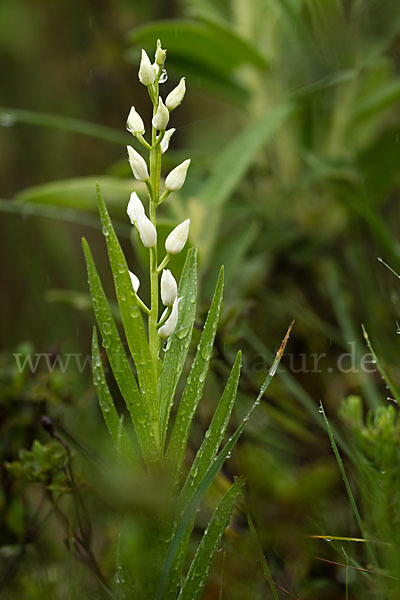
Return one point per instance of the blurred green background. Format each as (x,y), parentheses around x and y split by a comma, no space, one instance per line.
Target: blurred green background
(292,122)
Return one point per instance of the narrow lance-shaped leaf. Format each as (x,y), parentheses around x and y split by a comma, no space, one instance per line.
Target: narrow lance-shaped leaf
(213,469)
(118,360)
(204,457)
(195,383)
(130,313)
(178,344)
(215,433)
(115,427)
(199,569)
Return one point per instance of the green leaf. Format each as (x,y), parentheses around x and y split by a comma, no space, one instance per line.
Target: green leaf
(228,170)
(80,193)
(131,316)
(114,425)
(199,569)
(178,344)
(30,117)
(204,457)
(212,471)
(375,102)
(215,433)
(119,362)
(209,44)
(195,383)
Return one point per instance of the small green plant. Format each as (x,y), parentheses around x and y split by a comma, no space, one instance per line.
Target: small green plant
(149,392)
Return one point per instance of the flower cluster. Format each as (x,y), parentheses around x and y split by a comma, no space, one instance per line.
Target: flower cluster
(151,75)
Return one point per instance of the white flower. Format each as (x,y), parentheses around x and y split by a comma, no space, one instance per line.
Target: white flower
(166,139)
(177,238)
(135,208)
(138,165)
(176,178)
(146,72)
(169,288)
(161,54)
(147,231)
(161,118)
(170,324)
(175,97)
(135,123)
(135,281)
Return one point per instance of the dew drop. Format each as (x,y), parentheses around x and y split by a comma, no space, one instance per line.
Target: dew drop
(163,76)
(7,120)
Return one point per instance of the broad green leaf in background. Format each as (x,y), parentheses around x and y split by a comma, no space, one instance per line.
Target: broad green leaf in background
(119,362)
(178,344)
(113,421)
(80,193)
(131,316)
(196,578)
(10,116)
(195,383)
(206,52)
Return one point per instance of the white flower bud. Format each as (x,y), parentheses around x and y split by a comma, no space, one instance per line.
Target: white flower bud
(135,123)
(147,231)
(135,281)
(175,97)
(164,144)
(169,288)
(177,238)
(146,72)
(138,165)
(170,324)
(176,178)
(161,54)
(135,208)
(161,118)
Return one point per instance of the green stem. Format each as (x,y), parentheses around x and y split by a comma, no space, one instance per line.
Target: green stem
(164,262)
(155,172)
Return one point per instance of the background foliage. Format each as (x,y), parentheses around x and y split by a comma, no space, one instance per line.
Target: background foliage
(292,123)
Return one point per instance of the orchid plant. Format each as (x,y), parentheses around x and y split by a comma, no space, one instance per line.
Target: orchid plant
(149,392)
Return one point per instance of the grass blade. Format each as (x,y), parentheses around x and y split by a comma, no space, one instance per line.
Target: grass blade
(380,366)
(195,383)
(213,469)
(262,559)
(114,424)
(131,316)
(119,362)
(199,569)
(179,341)
(347,484)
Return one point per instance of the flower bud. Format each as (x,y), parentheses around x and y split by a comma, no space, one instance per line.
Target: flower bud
(169,289)
(164,144)
(177,238)
(135,281)
(135,208)
(146,72)
(134,123)
(176,178)
(170,324)
(161,54)
(175,97)
(138,165)
(161,118)
(147,231)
